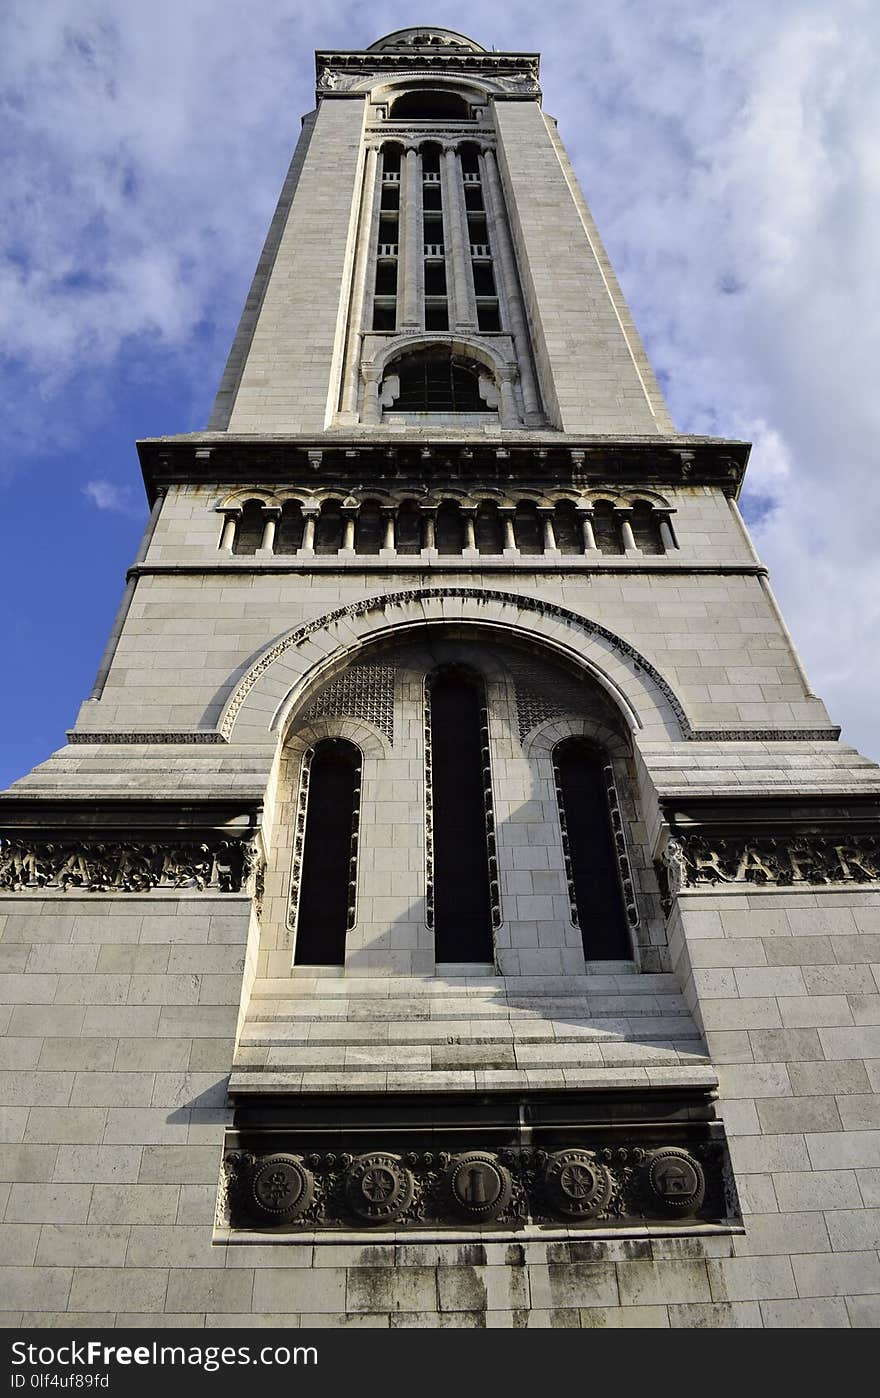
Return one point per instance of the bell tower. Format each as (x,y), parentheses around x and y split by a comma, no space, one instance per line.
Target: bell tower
(452,879)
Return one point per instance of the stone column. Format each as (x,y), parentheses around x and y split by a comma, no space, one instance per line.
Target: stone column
(310,517)
(509,413)
(429,532)
(389,547)
(271,516)
(468,515)
(231,517)
(411,249)
(586,518)
(349,513)
(506,513)
(371,413)
(667,538)
(462,300)
(623,513)
(507,283)
(550,544)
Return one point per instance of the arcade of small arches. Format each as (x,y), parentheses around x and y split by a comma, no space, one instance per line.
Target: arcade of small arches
(597,525)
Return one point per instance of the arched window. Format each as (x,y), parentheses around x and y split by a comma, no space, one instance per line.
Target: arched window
(582,783)
(289,534)
(408,531)
(369,528)
(569,536)
(438,383)
(646,528)
(450,528)
(328,535)
(328,878)
(428,104)
(249,534)
(487,528)
(459,782)
(527,528)
(606,528)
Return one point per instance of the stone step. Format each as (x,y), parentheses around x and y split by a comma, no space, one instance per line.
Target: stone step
(596,1079)
(513,1007)
(482,987)
(339,1058)
(452,1031)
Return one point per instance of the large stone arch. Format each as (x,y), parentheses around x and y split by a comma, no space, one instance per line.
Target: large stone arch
(258,706)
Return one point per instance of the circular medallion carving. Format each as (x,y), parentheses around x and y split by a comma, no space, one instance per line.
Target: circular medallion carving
(479,1186)
(378,1188)
(578,1186)
(675,1180)
(281,1188)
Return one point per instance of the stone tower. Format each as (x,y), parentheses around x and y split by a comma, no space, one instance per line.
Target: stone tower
(452,904)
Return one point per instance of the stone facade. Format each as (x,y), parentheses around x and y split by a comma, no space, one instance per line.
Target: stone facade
(196,1128)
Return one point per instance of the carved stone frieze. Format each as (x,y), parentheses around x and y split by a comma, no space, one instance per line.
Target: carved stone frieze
(127,866)
(693,860)
(610,1182)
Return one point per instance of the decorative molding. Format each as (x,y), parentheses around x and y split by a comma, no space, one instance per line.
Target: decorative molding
(598,1179)
(364,691)
(765,735)
(130,866)
(786,859)
(209,735)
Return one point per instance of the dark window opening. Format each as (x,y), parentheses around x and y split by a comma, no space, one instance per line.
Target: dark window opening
(386,278)
(326,895)
(430,105)
(484,278)
(249,534)
(437,383)
(368,534)
(391,156)
(478,232)
(387,230)
(289,533)
(328,534)
(430,160)
(487,529)
(473,198)
(390,197)
(598,897)
(606,528)
(385,315)
(409,528)
(432,198)
(436,315)
(462,908)
(646,528)
(569,535)
(527,530)
(450,528)
(470,160)
(435,278)
(488,315)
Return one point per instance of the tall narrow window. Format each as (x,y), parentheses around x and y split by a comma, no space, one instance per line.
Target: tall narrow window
(646,528)
(288,539)
(591,857)
(459,780)
(327,879)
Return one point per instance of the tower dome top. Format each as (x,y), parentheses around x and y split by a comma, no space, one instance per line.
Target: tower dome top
(425,37)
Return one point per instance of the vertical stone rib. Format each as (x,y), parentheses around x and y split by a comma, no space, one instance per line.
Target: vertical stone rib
(463,302)
(508,283)
(365,264)
(411,241)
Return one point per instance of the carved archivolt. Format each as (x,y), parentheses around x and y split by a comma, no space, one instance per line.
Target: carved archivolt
(480,598)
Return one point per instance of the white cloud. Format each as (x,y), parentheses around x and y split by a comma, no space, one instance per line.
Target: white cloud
(105,495)
(728,151)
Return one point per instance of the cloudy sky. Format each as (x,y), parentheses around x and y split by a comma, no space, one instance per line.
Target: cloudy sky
(728,149)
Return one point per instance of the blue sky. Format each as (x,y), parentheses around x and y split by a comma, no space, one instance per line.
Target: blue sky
(727,149)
